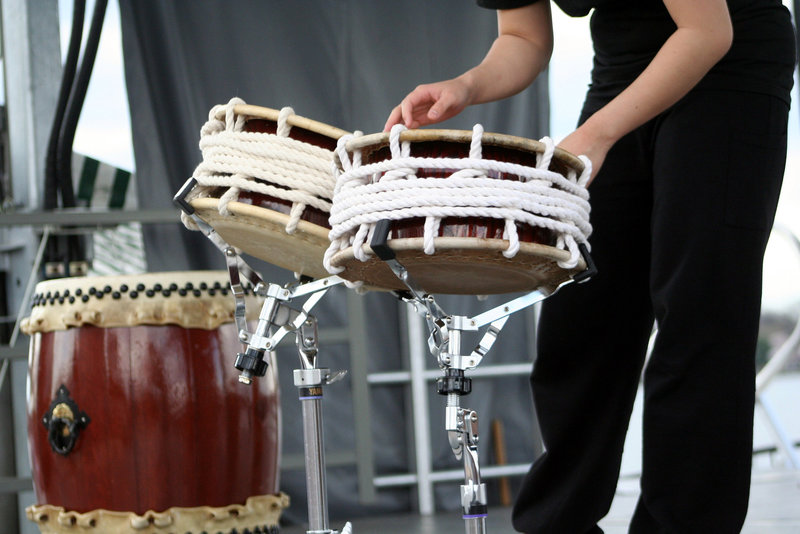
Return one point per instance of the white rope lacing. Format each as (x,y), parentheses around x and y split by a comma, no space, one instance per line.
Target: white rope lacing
(391,189)
(274,165)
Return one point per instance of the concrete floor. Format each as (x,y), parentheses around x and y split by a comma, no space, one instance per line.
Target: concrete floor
(774,509)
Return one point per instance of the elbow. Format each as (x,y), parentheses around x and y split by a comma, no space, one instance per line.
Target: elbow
(723,41)
(720,39)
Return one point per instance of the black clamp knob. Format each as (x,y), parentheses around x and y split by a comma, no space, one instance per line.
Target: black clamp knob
(454,381)
(251,362)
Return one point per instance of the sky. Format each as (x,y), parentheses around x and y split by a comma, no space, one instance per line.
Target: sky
(104,129)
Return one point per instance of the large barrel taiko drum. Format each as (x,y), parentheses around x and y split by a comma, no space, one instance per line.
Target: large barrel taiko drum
(136,420)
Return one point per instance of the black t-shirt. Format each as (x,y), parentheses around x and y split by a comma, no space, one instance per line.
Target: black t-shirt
(627,34)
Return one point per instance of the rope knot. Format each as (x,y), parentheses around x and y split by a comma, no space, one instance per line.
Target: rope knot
(284,128)
(397,149)
(543,159)
(475,148)
(274,165)
(233,123)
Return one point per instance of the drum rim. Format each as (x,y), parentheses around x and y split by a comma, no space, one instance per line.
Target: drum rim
(203,275)
(260,112)
(257,511)
(450,243)
(257,212)
(252,217)
(468,244)
(210,307)
(376,140)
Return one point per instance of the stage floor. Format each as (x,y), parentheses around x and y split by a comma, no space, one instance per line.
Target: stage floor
(774,509)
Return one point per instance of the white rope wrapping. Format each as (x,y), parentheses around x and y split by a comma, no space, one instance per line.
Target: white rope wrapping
(391,189)
(270,164)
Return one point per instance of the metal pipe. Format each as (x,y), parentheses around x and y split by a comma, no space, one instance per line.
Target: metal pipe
(475,525)
(26,297)
(316,485)
(484,371)
(419,395)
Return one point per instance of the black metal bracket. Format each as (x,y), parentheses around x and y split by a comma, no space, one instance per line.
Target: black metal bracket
(591,268)
(379,237)
(180,197)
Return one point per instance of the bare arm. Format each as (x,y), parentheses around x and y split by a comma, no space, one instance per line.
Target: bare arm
(703,36)
(520,52)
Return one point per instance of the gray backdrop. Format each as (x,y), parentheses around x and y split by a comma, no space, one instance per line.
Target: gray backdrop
(345,63)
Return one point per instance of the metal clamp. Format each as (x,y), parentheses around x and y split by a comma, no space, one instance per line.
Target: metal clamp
(422,302)
(462,434)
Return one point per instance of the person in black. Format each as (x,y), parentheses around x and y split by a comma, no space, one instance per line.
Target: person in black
(685,124)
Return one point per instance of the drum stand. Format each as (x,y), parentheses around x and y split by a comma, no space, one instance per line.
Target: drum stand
(444,343)
(277,319)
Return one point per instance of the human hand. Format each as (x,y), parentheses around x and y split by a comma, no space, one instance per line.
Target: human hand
(430,103)
(582,143)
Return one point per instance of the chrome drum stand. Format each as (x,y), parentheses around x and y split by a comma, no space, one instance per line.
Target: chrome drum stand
(461,424)
(278,318)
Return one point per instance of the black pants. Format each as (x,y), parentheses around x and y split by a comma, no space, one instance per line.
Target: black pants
(682,211)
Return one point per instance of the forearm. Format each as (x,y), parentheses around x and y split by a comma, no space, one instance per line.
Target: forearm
(683,60)
(520,52)
(510,66)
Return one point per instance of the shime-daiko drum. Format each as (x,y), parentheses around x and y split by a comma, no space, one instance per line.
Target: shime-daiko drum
(136,421)
(265,184)
(470,212)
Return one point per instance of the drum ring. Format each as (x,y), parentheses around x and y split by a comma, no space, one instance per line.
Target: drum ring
(64,422)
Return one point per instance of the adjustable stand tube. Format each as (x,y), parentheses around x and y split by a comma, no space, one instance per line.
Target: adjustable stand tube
(309,383)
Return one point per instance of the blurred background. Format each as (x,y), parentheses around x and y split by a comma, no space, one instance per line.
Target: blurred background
(159,68)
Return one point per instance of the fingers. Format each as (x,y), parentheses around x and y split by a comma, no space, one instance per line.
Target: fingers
(438,111)
(409,112)
(407,107)
(395,117)
(427,104)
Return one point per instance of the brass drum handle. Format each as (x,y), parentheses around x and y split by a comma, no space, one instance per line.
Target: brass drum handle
(64,422)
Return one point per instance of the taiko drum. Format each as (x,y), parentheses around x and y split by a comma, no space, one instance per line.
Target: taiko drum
(133,402)
(257,221)
(468,258)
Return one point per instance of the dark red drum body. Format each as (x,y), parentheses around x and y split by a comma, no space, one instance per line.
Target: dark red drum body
(279,165)
(469,249)
(134,405)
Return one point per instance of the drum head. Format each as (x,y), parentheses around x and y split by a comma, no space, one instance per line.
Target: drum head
(262,234)
(189,299)
(462,266)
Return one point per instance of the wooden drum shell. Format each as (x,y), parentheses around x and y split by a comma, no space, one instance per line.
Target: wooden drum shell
(170,426)
(256,224)
(468,258)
